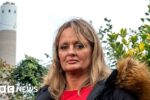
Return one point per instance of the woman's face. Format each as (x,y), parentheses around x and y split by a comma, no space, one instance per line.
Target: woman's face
(73,55)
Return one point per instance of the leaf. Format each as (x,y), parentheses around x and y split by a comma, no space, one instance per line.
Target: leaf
(130,52)
(142,19)
(120,47)
(146,28)
(123,32)
(112,37)
(141,46)
(143,36)
(146,13)
(124,41)
(148,19)
(113,45)
(134,39)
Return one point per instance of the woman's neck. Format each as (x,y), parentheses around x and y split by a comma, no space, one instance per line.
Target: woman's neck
(75,80)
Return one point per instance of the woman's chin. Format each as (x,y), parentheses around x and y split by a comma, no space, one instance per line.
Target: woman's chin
(73,69)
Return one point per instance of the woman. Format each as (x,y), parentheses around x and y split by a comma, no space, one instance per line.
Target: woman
(78,70)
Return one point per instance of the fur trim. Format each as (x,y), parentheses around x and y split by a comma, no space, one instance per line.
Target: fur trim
(134,76)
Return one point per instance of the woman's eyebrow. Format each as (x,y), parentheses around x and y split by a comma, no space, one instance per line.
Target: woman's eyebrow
(63,43)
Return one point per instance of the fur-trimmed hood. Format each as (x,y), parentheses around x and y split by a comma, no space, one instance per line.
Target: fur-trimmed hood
(134,76)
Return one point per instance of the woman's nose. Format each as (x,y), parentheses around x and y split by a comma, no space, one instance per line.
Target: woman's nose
(72,50)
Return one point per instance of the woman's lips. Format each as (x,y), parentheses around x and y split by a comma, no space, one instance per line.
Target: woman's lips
(72,61)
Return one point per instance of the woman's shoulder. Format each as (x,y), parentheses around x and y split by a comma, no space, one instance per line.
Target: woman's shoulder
(44,94)
(130,81)
(113,90)
(107,90)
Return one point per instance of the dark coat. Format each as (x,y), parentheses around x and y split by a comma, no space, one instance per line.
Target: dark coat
(44,94)
(130,81)
(106,90)
(103,90)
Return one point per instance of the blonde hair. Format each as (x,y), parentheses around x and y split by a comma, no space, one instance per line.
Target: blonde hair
(55,78)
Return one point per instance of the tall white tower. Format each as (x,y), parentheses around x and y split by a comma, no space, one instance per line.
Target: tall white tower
(8,32)
(8,16)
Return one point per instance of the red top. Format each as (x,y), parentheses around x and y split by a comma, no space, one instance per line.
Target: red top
(73,95)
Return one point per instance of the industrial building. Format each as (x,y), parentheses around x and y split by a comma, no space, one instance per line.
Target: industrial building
(8,16)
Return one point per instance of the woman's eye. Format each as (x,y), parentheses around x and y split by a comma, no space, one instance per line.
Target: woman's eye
(79,46)
(63,47)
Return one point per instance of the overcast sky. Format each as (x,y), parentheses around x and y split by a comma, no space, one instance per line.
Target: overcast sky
(38,20)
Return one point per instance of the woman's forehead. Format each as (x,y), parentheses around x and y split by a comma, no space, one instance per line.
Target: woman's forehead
(72,37)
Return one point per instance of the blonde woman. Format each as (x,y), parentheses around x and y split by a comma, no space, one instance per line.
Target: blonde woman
(78,70)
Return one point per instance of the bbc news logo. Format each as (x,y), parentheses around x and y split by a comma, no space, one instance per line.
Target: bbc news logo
(7,89)
(13,89)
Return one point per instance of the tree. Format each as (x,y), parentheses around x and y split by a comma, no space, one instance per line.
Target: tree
(5,77)
(127,42)
(29,73)
(103,36)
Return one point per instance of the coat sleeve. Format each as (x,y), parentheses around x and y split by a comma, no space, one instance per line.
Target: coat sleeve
(121,94)
(43,94)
